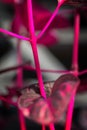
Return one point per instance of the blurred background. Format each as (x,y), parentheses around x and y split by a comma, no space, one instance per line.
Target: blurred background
(55,56)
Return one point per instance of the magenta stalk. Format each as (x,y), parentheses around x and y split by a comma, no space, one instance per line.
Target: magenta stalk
(69,114)
(14,35)
(35,52)
(30,68)
(12,68)
(83,72)
(51,19)
(75,69)
(21,120)
(19,81)
(43,127)
(34,47)
(76,42)
(51,126)
(19,70)
(27,67)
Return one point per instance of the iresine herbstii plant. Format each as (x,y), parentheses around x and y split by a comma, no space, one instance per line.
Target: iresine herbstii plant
(46,102)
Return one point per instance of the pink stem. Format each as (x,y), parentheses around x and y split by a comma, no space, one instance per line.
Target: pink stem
(34,47)
(46,70)
(76,42)
(22,121)
(14,35)
(27,67)
(43,127)
(69,113)
(51,19)
(83,72)
(51,126)
(35,52)
(20,84)
(75,66)
(2,71)
(19,71)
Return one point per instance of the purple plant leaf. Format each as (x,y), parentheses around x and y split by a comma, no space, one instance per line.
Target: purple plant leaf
(68,79)
(45,111)
(63,89)
(41,113)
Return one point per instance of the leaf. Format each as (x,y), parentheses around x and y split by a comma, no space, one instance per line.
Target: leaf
(46,111)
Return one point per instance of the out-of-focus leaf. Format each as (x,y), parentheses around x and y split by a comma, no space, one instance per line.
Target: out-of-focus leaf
(41,16)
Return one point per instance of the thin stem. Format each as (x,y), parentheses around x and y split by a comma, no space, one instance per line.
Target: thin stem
(83,72)
(20,84)
(34,47)
(22,120)
(51,126)
(69,114)
(14,35)
(35,52)
(19,60)
(29,68)
(74,67)
(51,19)
(76,42)
(43,127)
(2,71)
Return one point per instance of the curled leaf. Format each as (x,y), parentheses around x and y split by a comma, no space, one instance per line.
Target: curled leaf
(45,111)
